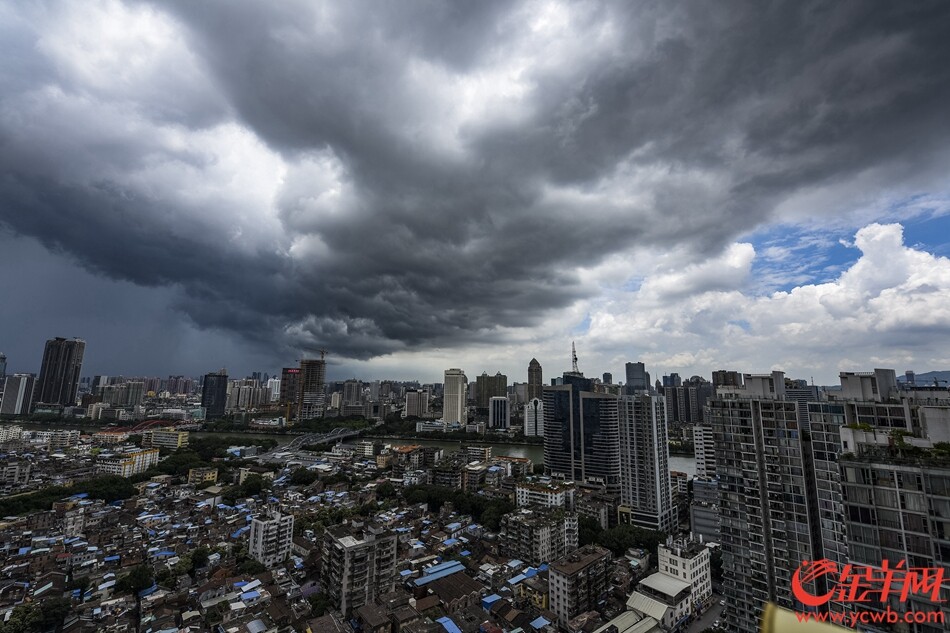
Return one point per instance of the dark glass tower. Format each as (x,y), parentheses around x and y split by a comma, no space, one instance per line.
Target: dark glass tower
(58,382)
(535,379)
(214,394)
(582,433)
(310,394)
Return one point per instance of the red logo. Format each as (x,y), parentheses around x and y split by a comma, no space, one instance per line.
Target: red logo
(859,583)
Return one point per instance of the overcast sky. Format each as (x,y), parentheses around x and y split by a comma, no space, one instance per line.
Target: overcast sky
(421,185)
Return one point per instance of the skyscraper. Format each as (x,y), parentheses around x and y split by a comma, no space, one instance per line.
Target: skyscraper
(534,418)
(638,378)
(3,369)
(58,382)
(454,397)
(310,391)
(289,386)
(645,492)
(767,501)
(726,378)
(581,433)
(352,392)
(535,379)
(417,403)
(499,413)
(488,387)
(17,394)
(214,394)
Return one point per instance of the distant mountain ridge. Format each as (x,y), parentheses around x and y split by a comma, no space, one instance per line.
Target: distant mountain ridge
(927,378)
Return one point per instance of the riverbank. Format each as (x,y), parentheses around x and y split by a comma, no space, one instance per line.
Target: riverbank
(449,439)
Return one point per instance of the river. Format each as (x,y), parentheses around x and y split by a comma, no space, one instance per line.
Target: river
(535,452)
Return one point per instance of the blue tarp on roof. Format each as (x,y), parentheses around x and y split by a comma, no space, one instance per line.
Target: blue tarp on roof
(148,592)
(441,574)
(450,541)
(465,552)
(81,495)
(531,572)
(405,572)
(488,601)
(239,532)
(543,567)
(109,559)
(24,550)
(163,554)
(515,564)
(440,567)
(240,583)
(516,579)
(449,625)
(540,623)
(250,595)
(453,526)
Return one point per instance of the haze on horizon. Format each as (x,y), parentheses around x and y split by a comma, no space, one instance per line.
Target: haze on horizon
(416,186)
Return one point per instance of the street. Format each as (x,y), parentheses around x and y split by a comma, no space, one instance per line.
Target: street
(706,620)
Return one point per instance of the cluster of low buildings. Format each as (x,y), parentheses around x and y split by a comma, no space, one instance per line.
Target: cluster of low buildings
(266,560)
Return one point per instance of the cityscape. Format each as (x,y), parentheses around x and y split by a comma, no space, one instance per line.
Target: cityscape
(447,316)
(283,501)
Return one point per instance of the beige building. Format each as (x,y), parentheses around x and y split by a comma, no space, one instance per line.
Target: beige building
(576,582)
(198,476)
(165,438)
(129,463)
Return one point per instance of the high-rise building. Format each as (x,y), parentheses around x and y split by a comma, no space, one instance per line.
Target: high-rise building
(726,378)
(488,387)
(499,413)
(271,538)
(534,418)
(577,582)
(359,564)
(455,397)
(672,380)
(352,392)
(638,378)
(311,398)
(767,502)
(581,433)
(17,394)
(704,448)
(883,485)
(417,403)
(538,535)
(645,492)
(704,510)
(214,394)
(273,389)
(685,402)
(3,369)
(608,378)
(896,504)
(535,379)
(58,382)
(289,388)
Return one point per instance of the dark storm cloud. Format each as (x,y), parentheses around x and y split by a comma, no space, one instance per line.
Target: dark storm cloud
(424,205)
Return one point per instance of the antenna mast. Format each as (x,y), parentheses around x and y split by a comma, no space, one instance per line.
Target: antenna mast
(574,359)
